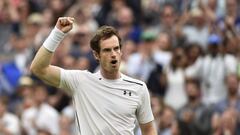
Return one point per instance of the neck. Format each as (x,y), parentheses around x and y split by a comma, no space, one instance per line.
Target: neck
(38,104)
(110,75)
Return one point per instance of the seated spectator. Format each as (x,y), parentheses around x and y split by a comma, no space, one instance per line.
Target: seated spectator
(167,118)
(67,121)
(9,123)
(226,124)
(42,116)
(194,116)
(231,101)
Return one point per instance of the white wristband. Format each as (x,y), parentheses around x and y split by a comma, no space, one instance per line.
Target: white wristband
(54,39)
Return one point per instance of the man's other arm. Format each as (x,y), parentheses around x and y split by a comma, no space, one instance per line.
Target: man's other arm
(148,129)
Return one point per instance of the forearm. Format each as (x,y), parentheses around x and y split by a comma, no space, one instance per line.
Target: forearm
(148,129)
(150,132)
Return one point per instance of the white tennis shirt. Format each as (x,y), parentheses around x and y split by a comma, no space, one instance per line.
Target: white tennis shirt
(107,107)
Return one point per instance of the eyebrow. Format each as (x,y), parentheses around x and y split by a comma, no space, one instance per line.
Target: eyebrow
(109,49)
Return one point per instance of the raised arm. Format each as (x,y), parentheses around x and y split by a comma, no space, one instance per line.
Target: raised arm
(41,63)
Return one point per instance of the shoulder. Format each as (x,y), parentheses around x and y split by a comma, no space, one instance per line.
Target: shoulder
(49,109)
(133,81)
(10,117)
(229,57)
(74,74)
(29,112)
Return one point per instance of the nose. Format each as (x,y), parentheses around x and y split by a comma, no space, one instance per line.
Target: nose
(113,54)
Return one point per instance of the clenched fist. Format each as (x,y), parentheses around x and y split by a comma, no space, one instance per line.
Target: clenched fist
(65,24)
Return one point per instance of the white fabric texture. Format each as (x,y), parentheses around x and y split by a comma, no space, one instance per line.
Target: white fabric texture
(108,107)
(45,117)
(212,72)
(175,96)
(11,123)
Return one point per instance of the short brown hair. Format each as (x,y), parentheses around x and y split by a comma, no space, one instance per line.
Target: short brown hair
(103,33)
(194,81)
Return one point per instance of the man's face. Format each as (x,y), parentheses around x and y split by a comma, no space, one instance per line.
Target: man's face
(110,55)
(192,91)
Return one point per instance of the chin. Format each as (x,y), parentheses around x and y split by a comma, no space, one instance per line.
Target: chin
(114,69)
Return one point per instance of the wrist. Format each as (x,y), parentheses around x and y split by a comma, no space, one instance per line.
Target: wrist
(54,39)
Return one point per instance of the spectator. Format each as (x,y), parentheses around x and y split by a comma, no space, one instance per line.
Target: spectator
(157,81)
(42,116)
(23,98)
(212,69)
(167,118)
(141,63)
(163,49)
(198,32)
(67,120)
(168,18)
(193,51)
(227,123)
(194,116)
(232,100)
(9,123)
(125,24)
(175,74)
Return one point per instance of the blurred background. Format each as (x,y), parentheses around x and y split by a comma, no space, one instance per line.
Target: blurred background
(187,52)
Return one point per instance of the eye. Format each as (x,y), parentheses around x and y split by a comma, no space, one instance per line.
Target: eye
(116,48)
(106,50)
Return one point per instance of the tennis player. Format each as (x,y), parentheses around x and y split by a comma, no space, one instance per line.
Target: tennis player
(107,102)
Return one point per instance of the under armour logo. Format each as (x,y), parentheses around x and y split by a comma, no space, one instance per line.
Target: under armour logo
(127,92)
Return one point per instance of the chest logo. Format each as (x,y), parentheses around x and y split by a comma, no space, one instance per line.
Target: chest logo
(129,93)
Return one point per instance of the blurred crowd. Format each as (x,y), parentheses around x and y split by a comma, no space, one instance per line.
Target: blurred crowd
(187,52)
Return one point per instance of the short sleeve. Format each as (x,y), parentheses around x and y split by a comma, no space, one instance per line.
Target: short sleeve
(69,80)
(144,111)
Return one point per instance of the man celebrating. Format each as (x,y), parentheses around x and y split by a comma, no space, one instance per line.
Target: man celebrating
(107,102)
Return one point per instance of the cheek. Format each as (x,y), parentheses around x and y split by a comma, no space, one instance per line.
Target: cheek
(120,55)
(104,60)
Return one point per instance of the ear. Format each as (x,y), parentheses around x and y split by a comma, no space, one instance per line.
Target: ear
(96,55)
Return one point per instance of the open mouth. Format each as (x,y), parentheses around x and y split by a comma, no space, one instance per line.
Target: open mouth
(114,61)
